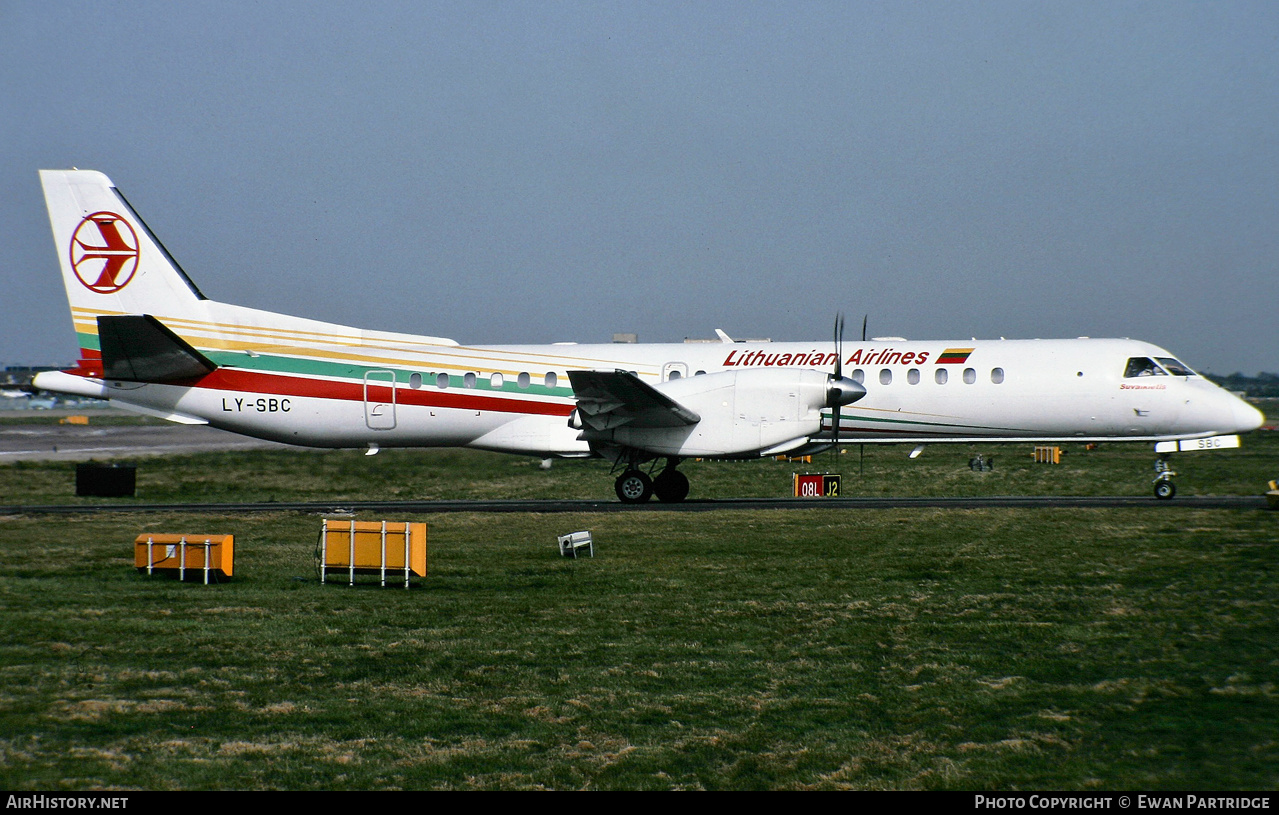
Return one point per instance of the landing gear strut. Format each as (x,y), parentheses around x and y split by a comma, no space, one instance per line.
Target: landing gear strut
(1164,488)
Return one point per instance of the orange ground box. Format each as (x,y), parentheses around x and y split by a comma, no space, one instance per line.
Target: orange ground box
(202,555)
(1047,455)
(372,547)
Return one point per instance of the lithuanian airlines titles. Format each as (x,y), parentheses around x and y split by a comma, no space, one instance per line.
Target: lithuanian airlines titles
(151,342)
(819,359)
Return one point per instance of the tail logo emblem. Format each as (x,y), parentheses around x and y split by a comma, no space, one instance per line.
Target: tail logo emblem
(104,252)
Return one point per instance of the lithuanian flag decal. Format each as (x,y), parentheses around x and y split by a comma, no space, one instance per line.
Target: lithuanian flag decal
(954,356)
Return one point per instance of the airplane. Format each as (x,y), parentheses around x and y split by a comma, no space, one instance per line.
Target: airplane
(151,342)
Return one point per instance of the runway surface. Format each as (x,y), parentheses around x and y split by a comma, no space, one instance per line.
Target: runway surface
(1237,502)
(69,442)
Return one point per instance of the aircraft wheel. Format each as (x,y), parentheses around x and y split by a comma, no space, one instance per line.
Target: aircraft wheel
(633,487)
(1165,490)
(671,486)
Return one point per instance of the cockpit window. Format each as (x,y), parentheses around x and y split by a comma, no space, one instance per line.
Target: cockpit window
(1174,367)
(1143,366)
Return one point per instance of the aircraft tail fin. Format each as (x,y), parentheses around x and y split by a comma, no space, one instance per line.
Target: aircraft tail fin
(111,262)
(114,266)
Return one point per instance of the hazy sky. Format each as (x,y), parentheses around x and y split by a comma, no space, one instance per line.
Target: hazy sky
(545,171)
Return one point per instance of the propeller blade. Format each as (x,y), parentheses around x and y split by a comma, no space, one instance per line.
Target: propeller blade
(839,344)
(841,391)
(836,418)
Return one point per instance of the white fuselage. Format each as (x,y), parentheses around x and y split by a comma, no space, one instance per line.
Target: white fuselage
(517,398)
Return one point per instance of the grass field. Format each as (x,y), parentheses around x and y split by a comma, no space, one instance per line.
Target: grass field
(804,649)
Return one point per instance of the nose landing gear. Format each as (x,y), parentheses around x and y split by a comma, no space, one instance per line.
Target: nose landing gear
(1164,488)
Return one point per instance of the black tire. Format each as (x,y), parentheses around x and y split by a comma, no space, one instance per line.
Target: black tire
(633,487)
(671,486)
(1165,490)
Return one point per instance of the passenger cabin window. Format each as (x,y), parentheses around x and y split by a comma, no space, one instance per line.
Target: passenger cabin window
(859,376)
(886,376)
(550,379)
(442,381)
(912,376)
(415,381)
(997,375)
(1143,366)
(941,376)
(970,376)
(522,380)
(495,381)
(468,380)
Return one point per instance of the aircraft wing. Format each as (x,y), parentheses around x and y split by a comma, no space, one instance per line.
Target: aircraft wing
(609,399)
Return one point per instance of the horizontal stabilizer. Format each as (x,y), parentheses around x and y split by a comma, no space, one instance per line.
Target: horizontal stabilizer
(609,399)
(140,348)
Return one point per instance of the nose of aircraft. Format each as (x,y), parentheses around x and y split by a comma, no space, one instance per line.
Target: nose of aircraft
(1211,408)
(1246,416)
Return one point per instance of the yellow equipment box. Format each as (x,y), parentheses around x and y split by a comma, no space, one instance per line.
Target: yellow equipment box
(205,554)
(372,547)
(1048,455)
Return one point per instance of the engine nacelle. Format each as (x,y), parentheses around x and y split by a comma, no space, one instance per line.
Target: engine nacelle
(743,413)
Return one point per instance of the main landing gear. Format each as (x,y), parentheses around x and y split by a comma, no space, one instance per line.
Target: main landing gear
(635,486)
(1164,488)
